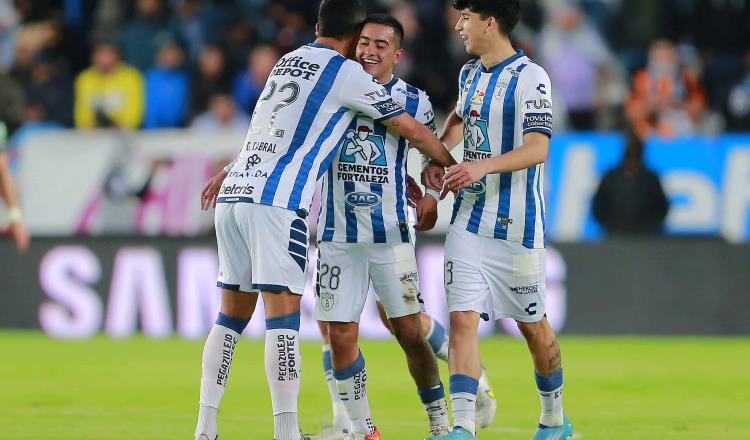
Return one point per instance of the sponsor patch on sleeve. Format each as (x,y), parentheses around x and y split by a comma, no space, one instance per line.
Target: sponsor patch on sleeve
(537,122)
(387,107)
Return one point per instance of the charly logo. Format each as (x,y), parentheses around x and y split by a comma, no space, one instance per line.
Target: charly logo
(362,146)
(475,133)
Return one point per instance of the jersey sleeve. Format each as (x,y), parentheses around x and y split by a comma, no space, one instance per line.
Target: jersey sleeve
(534,98)
(425,114)
(463,78)
(360,92)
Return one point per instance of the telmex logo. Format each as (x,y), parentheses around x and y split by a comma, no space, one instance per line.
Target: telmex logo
(362,199)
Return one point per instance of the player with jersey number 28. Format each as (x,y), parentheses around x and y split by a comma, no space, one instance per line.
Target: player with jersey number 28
(365,239)
(263,197)
(495,248)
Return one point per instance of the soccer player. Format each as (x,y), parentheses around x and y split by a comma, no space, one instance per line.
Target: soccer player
(495,248)
(363,238)
(263,197)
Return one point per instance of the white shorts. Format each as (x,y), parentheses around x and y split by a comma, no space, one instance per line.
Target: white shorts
(260,248)
(499,278)
(346,270)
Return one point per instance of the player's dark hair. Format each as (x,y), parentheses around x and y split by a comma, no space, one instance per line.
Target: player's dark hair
(340,18)
(506,12)
(391,22)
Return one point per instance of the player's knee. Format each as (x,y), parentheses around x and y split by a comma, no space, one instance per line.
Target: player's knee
(342,337)
(409,336)
(463,323)
(531,330)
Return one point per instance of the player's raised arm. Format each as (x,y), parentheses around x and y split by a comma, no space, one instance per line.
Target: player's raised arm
(420,137)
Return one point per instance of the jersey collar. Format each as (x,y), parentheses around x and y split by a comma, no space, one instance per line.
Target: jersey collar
(320,45)
(392,82)
(502,64)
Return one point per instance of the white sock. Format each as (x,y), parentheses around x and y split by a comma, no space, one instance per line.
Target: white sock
(550,394)
(217,362)
(283,367)
(340,420)
(351,383)
(433,400)
(464,401)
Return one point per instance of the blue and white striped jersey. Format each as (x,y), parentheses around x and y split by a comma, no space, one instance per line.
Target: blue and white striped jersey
(364,197)
(498,106)
(309,101)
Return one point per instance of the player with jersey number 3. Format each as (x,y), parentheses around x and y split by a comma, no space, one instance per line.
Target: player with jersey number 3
(263,198)
(495,248)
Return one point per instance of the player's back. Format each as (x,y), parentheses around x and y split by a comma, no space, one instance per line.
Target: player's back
(308,101)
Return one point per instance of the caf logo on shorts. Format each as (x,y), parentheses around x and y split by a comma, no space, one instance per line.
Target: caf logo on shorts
(362,146)
(327,300)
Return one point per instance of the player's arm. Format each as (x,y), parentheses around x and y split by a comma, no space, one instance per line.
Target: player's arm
(420,137)
(8,194)
(453,131)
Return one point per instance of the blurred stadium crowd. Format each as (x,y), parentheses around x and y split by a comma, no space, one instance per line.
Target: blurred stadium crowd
(669,66)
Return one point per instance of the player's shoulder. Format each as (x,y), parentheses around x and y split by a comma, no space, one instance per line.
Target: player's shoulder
(410,90)
(529,71)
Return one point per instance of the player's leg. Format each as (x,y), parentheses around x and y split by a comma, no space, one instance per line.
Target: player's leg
(283,360)
(341,291)
(393,271)
(340,424)
(517,278)
(237,306)
(467,292)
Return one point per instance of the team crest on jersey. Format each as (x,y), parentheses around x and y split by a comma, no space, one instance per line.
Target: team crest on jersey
(363,147)
(475,133)
(502,85)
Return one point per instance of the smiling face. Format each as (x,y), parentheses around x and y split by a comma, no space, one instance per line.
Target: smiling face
(474,31)
(378,50)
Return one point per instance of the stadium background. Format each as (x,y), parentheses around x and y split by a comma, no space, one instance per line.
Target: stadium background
(119,248)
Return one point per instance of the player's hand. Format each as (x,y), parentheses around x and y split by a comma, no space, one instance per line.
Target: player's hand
(464,174)
(20,236)
(432,176)
(414,191)
(427,213)
(211,191)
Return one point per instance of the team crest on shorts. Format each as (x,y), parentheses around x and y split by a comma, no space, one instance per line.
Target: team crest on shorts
(327,300)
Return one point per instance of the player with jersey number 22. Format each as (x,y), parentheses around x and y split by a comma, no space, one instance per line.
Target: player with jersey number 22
(495,248)
(263,198)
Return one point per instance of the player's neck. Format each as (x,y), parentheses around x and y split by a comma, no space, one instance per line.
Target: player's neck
(339,46)
(497,51)
(385,78)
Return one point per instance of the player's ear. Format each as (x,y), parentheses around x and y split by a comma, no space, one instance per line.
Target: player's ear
(317,30)
(491,23)
(397,56)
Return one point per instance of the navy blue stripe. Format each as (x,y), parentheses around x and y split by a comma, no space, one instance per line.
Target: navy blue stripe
(529,227)
(234,200)
(470,93)
(389,85)
(432,394)
(297,236)
(301,226)
(301,262)
(312,106)
(390,115)
(327,162)
(465,74)
(545,131)
(329,227)
(376,216)
(461,383)
(309,159)
(351,216)
(356,367)
(549,383)
(235,287)
(238,325)
(270,287)
(412,105)
(297,248)
(541,203)
(457,204)
(476,213)
(290,322)
(506,179)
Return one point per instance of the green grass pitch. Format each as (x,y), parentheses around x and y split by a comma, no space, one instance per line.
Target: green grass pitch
(615,388)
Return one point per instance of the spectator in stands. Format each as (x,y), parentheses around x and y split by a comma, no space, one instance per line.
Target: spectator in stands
(9,21)
(109,93)
(579,63)
(666,97)
(51,89)
(249,83)
(209,78)
(8,195)
(630,199)
(167,85)
(222,115)
(142,36)
(738,104)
